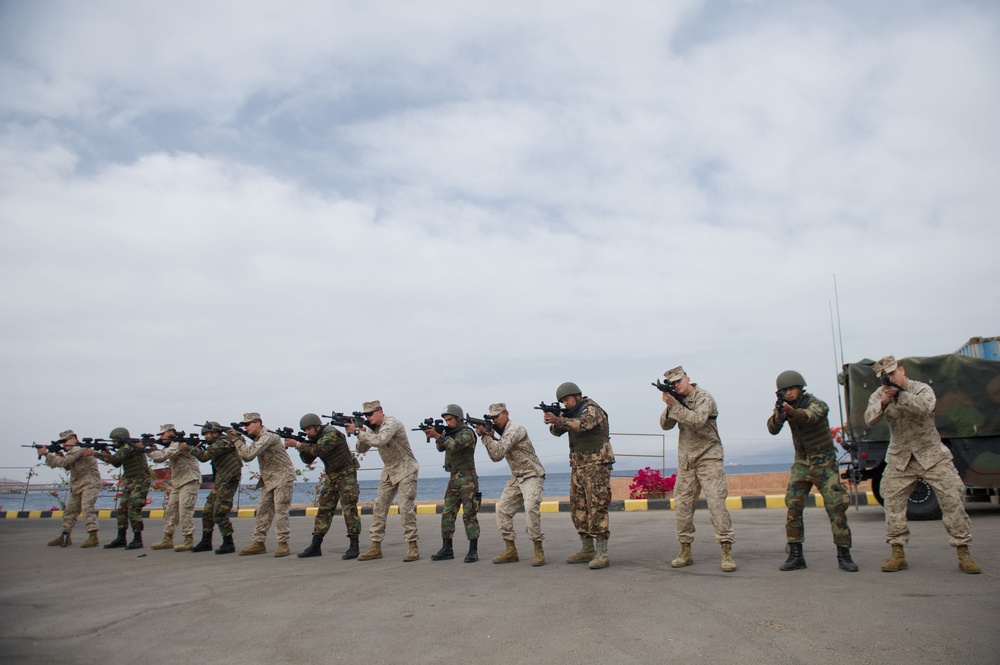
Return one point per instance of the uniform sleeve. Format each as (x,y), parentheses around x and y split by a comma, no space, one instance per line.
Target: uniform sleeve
(774,423)
(874,412)
(696,415)
(920,401)
(495,449)
(249,452)
(666,421)
(816,411)
(380,438)
(116,458)
(464,439)
(590,419)
(63,461)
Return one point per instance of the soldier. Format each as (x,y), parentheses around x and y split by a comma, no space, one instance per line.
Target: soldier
(185,481)
(399,474)
(815,465)
(226,470)
(916,451)
(527,480)
(136,479)
(458,443)
(84,487)
(590,461)
(277,477)
(340,483)
(699,465)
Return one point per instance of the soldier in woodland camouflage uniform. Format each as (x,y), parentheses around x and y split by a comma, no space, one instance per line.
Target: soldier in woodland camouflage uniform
(84,487)
(136,479)
(590,461)
(916,451)
(226,470)
(699,465)
(278,477)
(527,480)
(340,482)
(815,465)
(185,481)
(458,443)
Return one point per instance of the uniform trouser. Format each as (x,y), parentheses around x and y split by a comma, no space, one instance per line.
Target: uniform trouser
(947,484)
(81,500)
(707,475)
(407,488)
(822,472)
(342,487)
(218,506)
(274,504)
(518,491)
(589,497)
(131,502)
(180,508)
(462,488)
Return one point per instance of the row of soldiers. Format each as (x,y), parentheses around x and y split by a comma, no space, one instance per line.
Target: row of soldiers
(915,452)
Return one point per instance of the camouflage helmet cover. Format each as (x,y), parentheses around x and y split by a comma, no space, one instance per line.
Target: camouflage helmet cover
(789,378)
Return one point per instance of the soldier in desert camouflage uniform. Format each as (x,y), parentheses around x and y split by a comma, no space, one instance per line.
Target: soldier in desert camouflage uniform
(916,451)
(458,443)
(226,470)
(590,461)
(699,465)
(84,487)
(525,486)
(136,479)
(339,484)
(277,476)
(185,481)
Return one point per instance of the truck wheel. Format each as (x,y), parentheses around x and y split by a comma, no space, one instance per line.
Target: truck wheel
(923,503)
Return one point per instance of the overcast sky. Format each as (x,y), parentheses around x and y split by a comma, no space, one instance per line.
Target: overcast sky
(212,208)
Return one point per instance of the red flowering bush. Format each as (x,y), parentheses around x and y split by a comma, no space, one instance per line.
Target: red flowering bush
(649,483)
(838,434)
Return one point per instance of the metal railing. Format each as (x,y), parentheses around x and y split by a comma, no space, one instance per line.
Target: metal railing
(663,448)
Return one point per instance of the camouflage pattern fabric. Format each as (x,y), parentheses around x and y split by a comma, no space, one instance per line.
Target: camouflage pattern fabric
(398,460)
(342,487)
(180,508)
(810,427)
(84,484)
(911,426)
(275,501)
(132,461)
(823,472)
(462,487)
(275,465)
(407,489)
(589,497)
(944,479)
(699,434)
(184,467)
(81,500)
(132,501)
(707,475)
(518,491)
(515,446)
(218,505)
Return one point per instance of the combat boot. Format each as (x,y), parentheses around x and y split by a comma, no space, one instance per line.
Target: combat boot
(91,540)
(585,554)
(314,548)
(966,562)
(352,550)
(728,565)
(412,552)
(473,555)
(684,558)
(227,546)
(844,560)
(601,558)
(166,544)
(205,544)
(896,562)
(374,551)
(136,543)
(539,558)
(282,550)
(795,559)
(446,551)
(509,554)
(117,542)
(256,547)
(187,545)
(62,541)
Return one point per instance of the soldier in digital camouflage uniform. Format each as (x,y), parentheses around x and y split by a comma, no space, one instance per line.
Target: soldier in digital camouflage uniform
(185,481)
(590,461)
(525,486)
(84,487)
(399,474)
(136,479)
(815,465)
(340,482)
(458,443)
(916,451)
(699,465)
(277,476)
(227,468)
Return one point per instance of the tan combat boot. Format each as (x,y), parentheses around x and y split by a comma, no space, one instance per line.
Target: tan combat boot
(254,548)
(91,540)
(166,544)
(509,554)
(966,562)
(412,552)
(585,554)
(728,565)
(374,552)
(896,562)
(187,545)
(684,558)
(62,541)
(282,550)
(539,558)
(601,557)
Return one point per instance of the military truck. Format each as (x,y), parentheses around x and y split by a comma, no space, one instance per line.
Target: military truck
(967,386)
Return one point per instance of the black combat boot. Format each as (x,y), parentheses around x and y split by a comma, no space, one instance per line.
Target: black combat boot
(844,560)
(136,543)
(314,547)
(473,554)
(352,551)
(117,542)
(205,544)
(794,560)
(227,546)
(446,551)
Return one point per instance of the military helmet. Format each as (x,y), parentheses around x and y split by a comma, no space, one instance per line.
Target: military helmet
(567,389)
(789,378)
(310,420)
(454,410)
(211,426)
(120,434)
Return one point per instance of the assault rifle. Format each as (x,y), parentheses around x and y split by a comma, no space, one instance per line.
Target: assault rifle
(338,419)
(669,389)
(779,404)
(888,383)
(555,408)
(430,423)
(54,447)
(486,423)
(240,428)
(98,445)
(289,433)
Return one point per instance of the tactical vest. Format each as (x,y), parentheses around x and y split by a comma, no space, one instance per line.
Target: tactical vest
(134,464)
(227,465)
(591,440)
(464,459)
(336,455)
(812,438)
